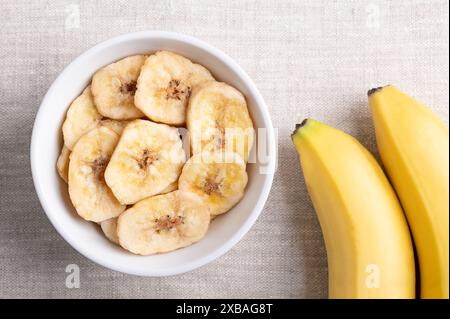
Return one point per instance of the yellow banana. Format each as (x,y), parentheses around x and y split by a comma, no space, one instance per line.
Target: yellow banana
(369,248)
(414,147)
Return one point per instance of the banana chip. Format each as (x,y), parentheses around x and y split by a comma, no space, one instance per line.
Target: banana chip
(218,178)
(218,120)
(148,158)
(163,223)
(62,164)
(165,84)
(81,117)
(109,228)
(114,125)
(90,195)
(130,174)
(114,86)
(172,187)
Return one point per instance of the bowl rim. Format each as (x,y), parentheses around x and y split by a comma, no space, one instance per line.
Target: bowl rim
(262,198)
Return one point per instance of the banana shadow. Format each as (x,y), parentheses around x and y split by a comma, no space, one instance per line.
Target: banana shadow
(355,120)
(311,279)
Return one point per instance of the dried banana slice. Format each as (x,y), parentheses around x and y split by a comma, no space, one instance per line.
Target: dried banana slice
(62,164)
(147,159)
(164,86)
(115,125)
(172,187)
(218,119)
(90,195)
(114,86)
(81,117)
(163,223)
(218,178)
(109,228)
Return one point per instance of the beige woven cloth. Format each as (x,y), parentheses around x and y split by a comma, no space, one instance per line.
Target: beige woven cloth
(309,59)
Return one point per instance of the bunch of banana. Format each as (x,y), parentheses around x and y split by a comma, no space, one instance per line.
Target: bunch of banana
(369,245)
(128,173)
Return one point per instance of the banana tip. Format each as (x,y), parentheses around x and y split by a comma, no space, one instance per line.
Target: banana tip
(299,126)
(374,90)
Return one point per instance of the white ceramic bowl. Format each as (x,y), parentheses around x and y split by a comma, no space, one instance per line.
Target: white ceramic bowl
(46,143)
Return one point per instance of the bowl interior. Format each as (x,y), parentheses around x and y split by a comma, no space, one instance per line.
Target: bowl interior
(225,230)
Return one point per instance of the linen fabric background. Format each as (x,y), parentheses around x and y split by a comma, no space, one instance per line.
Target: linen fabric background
(308,58)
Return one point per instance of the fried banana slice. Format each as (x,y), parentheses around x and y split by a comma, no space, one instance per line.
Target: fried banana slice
(62,164)
(163,223)
(218,120)
(114,87)
(148,158)
(91,197)
(165,84)
(114,125)
(109,228)
(81,117)
(218,178)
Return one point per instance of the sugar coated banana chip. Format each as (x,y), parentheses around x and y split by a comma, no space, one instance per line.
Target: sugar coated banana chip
(172,187)
(62,164)
(109,228)
(91,197)
(218,120)
(114,87)
(129,174)
(115,125)
(81,117)
(148,158)
(163,223)
(219,178)
(165,84)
